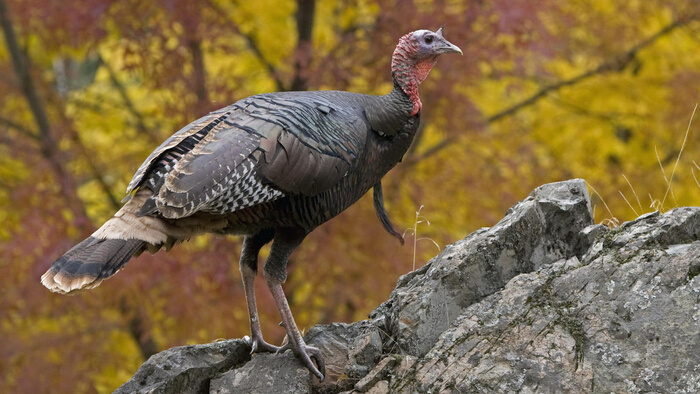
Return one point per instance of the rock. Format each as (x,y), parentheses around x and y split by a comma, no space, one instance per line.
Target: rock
(519,339)
(265,373)
(625,318)
(376,374)
(382,387)
(539,230)
(350,351)
(544,301)
(186,369)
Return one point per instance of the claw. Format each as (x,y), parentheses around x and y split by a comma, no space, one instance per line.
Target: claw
(258,345)
(305,357)
(320,372)
(284,348)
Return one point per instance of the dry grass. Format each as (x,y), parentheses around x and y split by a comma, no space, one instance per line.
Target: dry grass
(654,204)
(414,231)
(612,221)
(678,159)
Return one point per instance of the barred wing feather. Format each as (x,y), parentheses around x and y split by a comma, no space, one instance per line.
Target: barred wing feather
(254,151)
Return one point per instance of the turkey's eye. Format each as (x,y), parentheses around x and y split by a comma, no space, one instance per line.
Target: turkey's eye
(428,39)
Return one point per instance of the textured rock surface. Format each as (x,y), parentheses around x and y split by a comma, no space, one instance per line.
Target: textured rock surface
(187,369)
(539,230)
(290,376)
(623,318)
(543,301)
(350,350)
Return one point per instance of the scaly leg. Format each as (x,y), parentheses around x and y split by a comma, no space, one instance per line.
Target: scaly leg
(248,266)
(275,272)
(296,342)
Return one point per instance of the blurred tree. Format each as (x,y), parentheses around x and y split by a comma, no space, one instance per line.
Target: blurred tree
(546,91)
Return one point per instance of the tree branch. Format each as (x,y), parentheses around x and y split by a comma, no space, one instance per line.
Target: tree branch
(194,45)
(128,103)
(616,64)
(47,144)
(95,170)
(21,66)
(253,46)
(138,328)
(23,130)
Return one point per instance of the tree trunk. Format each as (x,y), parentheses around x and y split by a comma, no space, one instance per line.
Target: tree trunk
(47,144)
(200,77)
(304,51)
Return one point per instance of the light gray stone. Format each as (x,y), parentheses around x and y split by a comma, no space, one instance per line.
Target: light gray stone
(542,302)
(350,351)
(265,373)
(376,374)
(624,319)
(186,369)
(539,230)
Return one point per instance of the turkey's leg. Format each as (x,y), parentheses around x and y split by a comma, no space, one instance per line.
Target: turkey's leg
(275,271)
(296,342)
(249,270)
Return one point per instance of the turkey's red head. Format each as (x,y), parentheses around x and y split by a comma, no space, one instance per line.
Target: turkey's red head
(414,57)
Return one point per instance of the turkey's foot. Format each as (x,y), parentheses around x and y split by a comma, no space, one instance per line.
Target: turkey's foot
(258,345)
(305,353)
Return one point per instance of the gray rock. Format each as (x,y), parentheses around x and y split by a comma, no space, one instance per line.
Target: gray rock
(350,351)
(539,230)
(379,372)
(624,319)
(186,369)
(265,373)
(544,301)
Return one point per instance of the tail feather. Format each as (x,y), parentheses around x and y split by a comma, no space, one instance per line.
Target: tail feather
(88,263)
(123,236)
(104,253)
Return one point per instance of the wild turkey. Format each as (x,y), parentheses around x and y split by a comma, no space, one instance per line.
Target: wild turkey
(271,167)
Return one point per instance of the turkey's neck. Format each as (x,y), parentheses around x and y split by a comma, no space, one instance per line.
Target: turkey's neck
(409,73)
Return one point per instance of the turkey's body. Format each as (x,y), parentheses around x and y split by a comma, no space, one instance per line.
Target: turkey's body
(268,161)
(307,156)
(270,167)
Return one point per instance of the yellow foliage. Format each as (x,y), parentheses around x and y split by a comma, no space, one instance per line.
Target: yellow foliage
(620,128)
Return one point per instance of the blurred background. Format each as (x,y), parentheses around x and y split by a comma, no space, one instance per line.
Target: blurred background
(546,91)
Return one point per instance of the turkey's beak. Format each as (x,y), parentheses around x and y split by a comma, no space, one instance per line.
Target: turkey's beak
(447,47)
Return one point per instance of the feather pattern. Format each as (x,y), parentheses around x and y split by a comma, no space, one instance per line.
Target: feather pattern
(273,160)
(256,151)
(173,148)
(272,167)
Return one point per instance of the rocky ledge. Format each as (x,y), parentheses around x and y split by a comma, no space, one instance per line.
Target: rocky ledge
(544,301)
